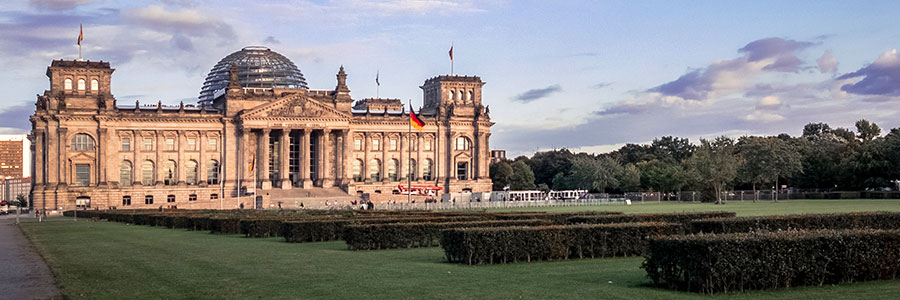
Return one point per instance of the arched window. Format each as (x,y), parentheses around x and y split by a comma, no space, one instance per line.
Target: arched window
(212,172)
(451,95)
(170,173)
(190,172)
(471,96)
(392,170)
(426,169)
(147,171)
(357,170)
(375,169)
(125,178)
(95,85)
(67,84)
(80,84)
(411,169)
(463,143)
(82,142)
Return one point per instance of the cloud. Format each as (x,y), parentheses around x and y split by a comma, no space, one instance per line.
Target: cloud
(271,40)
(17,116)
(768,103)
(57,4)
(536,94)
(184,21)
(827,63)
(416,7)
(731,75)
(882,77)
(762,116)
(601,85)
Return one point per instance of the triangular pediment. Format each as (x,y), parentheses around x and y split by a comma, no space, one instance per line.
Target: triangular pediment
(295,106)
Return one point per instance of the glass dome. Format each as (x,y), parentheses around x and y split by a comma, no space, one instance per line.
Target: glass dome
(258,67)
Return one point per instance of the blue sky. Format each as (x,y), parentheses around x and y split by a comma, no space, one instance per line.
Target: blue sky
(587,75)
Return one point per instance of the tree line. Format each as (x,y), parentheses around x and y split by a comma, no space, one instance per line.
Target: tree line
(822,157)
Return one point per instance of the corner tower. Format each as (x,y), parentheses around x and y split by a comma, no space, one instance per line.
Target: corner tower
(463,93)
(78,85)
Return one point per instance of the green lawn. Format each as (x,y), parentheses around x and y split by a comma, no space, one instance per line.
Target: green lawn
(112,260)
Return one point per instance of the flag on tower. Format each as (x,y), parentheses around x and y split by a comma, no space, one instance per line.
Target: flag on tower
(376,78)
(80,34)
(451,52)
(414,120)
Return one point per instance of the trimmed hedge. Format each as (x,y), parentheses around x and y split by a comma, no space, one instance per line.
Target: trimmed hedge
(514,244)
(319,230)
(859,220)
(556,218)
(683,218)
(409,235)
(713,263)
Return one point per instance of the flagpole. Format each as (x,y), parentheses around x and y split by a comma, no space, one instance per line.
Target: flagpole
(408,157)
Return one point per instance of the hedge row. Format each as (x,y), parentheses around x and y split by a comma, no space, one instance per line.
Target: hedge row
(555,218)
(712,263)
(409,235)
(514,244)
(683,217)
(858,220)
(333,229)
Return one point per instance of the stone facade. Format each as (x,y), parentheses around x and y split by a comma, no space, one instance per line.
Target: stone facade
(296,145)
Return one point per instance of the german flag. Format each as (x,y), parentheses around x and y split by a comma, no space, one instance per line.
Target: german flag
(414,121)
(80,34)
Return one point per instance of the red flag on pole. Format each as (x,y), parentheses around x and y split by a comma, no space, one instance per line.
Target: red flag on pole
(451,52)
(81,35)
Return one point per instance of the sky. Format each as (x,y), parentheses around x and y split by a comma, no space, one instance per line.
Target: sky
(584,75)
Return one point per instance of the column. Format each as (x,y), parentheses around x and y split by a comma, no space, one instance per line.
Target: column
(404,158)
(382,146)
(101,160)
(285,158)
(181,163)
(327,154)
(263,150)
(39,166)
(419,162)
(245,160)
(159,163)
(366,145)
(135,165)
(61,143)
(203,141)
(305,160)
(346,159)
(486,158)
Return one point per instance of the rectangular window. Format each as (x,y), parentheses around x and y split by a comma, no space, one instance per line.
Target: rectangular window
(82,175)
(170,144)
(148,199)
(213,196)
(413,145)
(393,144)
(170,198)
(376,144)
(148,144)
(462,170)
(213,143)
(192,144)
(357,144)
(427,145)
(192,197)
(126,200)
(126,144)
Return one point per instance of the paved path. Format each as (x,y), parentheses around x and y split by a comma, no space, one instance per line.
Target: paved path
(23,274)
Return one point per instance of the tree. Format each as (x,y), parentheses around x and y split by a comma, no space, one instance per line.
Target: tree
(633,153)
(866,131)
(522,178)
(22,201)
(501,174)
(766,159)
(664,175)
(678,149)
(716,163)
(630,178)
(546,165)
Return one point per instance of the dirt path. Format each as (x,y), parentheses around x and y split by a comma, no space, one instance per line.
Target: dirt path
(24,274)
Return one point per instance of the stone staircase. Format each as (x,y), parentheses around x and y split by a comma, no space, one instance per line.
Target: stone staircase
(311,197)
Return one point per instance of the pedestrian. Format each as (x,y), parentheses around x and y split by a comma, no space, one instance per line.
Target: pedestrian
(242,205)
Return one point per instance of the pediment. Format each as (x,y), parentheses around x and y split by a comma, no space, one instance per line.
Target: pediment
(295,106)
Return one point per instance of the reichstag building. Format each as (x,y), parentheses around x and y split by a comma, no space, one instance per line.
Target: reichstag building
(257,137)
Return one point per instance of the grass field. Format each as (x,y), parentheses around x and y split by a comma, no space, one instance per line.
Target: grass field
(104,260)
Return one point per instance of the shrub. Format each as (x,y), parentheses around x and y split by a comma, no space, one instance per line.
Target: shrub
(666,217)
(556,218)
(408,235)
(857,220)
(708,263)
(514,244)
